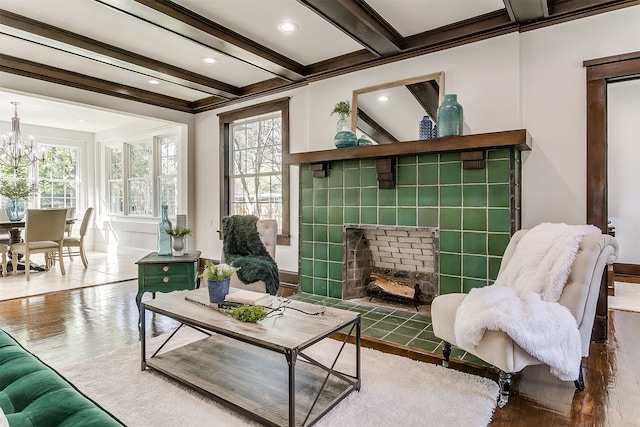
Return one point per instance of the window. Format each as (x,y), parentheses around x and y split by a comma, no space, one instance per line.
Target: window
(58,177)
(254,178)
(143,175)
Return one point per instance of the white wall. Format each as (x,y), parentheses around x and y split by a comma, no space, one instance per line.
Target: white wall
(623,127)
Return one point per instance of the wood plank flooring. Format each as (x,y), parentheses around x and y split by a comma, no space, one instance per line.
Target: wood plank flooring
(67,327)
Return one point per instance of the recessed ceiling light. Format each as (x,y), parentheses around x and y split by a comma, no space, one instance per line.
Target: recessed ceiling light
(209,60)
(154,82)
(287,27)
(383,98)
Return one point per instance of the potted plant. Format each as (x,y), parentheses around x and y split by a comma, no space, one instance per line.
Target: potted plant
(16,191)
(179,235)
(344,136)
(218,277)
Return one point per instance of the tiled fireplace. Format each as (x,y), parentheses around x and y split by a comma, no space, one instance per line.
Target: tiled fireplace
(474,211)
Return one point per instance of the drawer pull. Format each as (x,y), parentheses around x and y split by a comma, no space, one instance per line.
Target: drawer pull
(165,279)
(165,268)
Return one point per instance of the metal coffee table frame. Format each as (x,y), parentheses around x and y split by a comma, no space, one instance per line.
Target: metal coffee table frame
(292,354)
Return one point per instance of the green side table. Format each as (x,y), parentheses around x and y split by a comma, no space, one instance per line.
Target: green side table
(162,273)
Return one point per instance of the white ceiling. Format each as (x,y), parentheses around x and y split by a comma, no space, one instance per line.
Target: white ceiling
(125,43)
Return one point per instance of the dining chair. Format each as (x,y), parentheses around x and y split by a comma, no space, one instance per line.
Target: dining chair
(78,242)
(68,228)
(44,232)
(3,250)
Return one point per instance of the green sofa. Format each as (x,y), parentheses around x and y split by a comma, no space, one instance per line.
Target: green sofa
(32,394)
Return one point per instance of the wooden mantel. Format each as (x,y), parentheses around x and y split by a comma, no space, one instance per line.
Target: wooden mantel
(518,139)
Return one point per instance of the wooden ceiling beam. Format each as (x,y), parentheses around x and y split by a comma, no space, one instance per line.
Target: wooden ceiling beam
(22,67)
(188,24)
(360,22)
(57,38)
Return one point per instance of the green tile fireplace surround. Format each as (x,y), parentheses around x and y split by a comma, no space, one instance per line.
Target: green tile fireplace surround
(475,210)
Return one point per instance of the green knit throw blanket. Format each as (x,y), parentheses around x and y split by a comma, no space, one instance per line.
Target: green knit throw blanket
(243,249)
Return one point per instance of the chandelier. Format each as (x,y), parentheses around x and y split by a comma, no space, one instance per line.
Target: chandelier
(14,151)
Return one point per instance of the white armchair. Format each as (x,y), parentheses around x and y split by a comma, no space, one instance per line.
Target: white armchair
(579,295)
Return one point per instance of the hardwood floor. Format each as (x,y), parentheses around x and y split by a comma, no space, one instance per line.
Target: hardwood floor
(70,326)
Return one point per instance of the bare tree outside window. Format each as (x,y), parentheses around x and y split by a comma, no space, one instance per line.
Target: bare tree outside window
(254,176)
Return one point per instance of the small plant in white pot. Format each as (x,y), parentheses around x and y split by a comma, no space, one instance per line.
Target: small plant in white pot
(218,277)
(179,236)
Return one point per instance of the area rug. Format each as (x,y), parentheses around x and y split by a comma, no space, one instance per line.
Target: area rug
(395,391)
(626,298)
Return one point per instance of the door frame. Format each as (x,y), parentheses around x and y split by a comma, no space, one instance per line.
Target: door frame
(600,72)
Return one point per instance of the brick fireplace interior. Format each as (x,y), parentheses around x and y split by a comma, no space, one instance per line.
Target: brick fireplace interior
(474,211)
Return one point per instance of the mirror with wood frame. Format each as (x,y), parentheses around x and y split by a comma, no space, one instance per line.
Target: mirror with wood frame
(391,112)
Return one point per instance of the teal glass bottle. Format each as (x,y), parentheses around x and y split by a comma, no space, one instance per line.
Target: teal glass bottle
(164,240)
(450,116)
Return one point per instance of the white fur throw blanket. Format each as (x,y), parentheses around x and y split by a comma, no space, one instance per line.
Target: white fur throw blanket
(523,301)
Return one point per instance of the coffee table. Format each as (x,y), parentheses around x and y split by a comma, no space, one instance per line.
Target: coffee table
(263,370)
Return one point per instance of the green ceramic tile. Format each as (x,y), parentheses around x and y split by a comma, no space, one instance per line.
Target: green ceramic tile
(320,251)
(427,334)
(335,271)
(367,163)
(474,243)
(375,333)
(306,178)
(499,171)
(368,177)
(449,157)
(474,195)
(320,286)
(335,289)
(374,316)
(336,197)
(335,234)
(322,183)
(451,195)
(306,284)
(306,267)
(424,345)
(407,160)
(428,174)
(306,233)
(468,284)
(352,215)
(499,195)
(306,198)
(352,197)
(320,233)
(450,173)
(335,216)
(428,196)
(450,284)
(474,219)
(451,218)
(451,241)
(352,177)
(369,197)
(501,153)
(335,178)
(470,176)
(387,216)
(369,215)
(498,220)
(320,269)
(387,197)
(307,215)
(494,267)
(450,264)
(498,243)
(428,158)
(428,217)
(415,324)
(407,217)
(407,196)
(351,164)
(320,197)
(320,215)
(398,338)
(336,252)
(474,266)
(306,250)
(406,174)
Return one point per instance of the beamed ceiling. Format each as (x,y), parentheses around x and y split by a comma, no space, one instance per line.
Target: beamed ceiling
(115,47)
